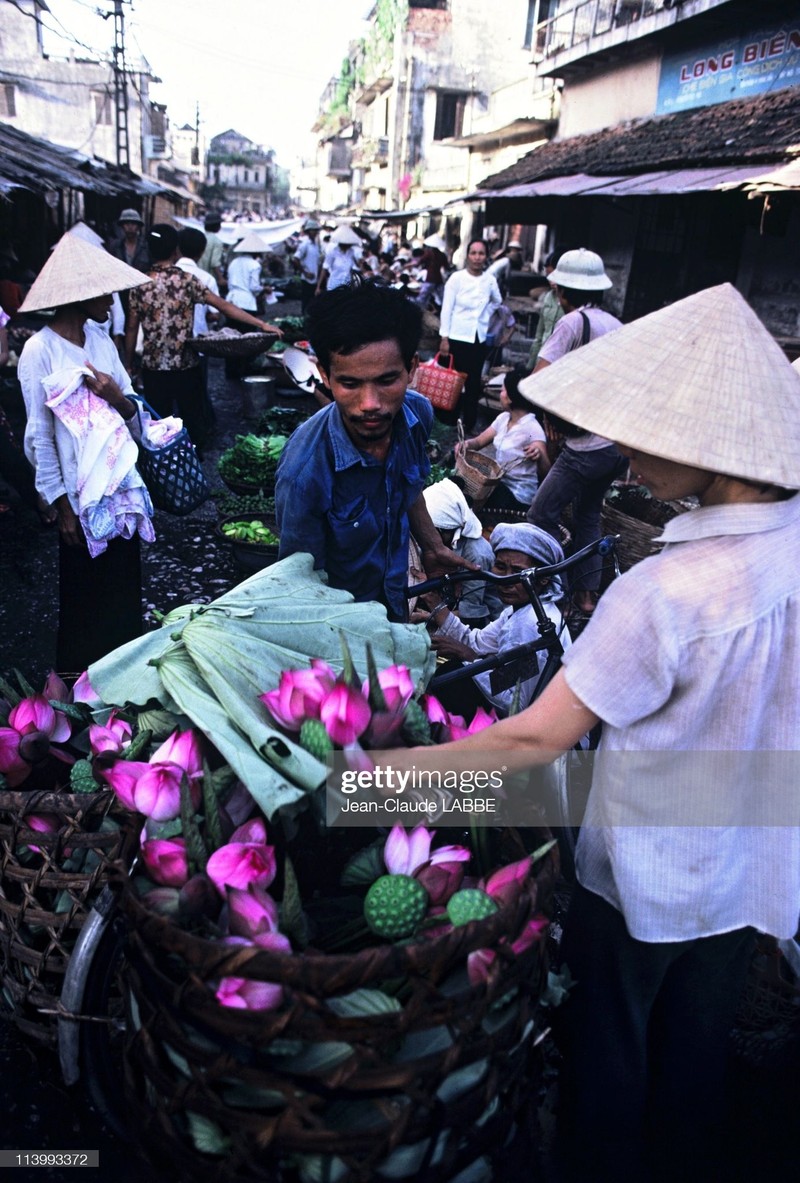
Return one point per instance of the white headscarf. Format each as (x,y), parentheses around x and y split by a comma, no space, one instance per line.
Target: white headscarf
(448,508)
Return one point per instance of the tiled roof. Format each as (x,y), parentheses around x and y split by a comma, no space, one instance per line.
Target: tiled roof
(738,132)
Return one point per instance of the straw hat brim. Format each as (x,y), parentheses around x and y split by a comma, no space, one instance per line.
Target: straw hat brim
(700,382)
(251,244)
(77,270)
(344,236)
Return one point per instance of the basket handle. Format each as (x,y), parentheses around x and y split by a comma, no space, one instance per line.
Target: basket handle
(450,365)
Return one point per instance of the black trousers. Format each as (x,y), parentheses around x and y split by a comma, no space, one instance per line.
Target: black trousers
(468,358)
(179,392)
(644,1087)
(99,602)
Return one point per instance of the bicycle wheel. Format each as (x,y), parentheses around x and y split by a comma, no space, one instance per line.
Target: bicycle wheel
(101,1041)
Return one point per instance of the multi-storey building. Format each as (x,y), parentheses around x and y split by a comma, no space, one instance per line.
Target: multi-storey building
(671,111)
(439,94)
(240,173)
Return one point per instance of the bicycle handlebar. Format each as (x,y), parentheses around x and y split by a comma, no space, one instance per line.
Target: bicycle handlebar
(603,546)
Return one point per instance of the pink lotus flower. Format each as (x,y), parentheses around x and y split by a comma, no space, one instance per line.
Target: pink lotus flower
(112,738)
(479,966)
(55,689)
(480,722)
(246,994)
(251,831)
(12,766)
(405,853)
(33,727)
(165,860)
(184,749)
(154,789)
(36,714)
(481,961)
(433,709)
(251,912)
(397,686)
(83,691)
(440,880)
(44,823)
(385,730)
(299,695)
(240,864)
(345,713)
(533,932)
(505,884)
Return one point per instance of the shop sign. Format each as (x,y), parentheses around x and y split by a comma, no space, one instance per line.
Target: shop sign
(735,68)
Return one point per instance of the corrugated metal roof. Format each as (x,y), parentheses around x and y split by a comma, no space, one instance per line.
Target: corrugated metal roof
(759,131)
(679,180)
(27,162)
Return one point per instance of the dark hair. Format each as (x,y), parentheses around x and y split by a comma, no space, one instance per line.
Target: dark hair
(212,222)
(191,242)
(577,297)
(511,383)
(162,241)
(477,242)
(359,314)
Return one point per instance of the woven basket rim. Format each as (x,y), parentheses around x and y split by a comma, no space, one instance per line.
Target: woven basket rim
(295,969)
(245,345)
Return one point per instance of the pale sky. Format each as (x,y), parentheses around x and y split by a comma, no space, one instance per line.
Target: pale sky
(259,66)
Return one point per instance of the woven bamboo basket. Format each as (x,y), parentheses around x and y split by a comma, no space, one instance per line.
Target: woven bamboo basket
(242,345)
(480,473)
(637,539)
(43,902)
(419,1093)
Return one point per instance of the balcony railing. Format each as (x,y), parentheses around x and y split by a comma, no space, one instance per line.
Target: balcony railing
(591,18)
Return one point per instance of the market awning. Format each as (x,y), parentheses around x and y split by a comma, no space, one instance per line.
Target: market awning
(692,151)
(27,162)
(783,179)
(679,180)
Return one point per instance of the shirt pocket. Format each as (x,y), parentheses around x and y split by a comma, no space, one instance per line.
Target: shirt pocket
(354,527)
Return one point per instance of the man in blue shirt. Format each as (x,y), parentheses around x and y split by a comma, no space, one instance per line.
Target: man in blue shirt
(350,479)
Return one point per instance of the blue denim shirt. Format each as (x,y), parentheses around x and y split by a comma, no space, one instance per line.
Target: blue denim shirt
(349,510)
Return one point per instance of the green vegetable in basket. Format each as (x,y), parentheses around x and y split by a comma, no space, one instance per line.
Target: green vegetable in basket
(252,459)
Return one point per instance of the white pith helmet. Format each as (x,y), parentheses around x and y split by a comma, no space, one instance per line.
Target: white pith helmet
(582,270)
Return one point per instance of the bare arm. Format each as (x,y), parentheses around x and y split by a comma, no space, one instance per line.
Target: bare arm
(437,558)
(131,330)
(480,441)
(233,312)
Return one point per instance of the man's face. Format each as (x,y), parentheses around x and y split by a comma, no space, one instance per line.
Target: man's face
(130,228)
(368,387)
(98,308)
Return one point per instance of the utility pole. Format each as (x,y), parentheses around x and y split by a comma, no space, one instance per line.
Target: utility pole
(121,88)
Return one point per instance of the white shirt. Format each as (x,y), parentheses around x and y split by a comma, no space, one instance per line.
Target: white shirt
(568,335)
(510,442)
(308,256)
(467,306)
(512,627)
(244,282)
(340,264)
(692,661)
(49,446)
(207,280)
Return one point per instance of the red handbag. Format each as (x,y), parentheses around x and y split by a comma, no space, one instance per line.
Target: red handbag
(441,384)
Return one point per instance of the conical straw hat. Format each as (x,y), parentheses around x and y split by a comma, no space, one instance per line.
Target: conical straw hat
(701,382)
(345,236)
(251,244)
(81,230)
(75,271)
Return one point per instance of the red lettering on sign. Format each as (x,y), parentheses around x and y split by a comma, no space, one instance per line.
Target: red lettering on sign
(777,45)
(728,60)
(750,52)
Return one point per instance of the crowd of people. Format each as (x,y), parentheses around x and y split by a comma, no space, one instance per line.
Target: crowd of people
(680,655)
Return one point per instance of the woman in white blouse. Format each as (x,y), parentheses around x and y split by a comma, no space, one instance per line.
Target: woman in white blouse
(470,297)
(519,442)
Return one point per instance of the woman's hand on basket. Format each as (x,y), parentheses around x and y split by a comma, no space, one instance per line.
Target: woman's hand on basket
(266,327)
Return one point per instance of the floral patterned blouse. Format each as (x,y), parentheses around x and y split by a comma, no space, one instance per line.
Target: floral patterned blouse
(165,309)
